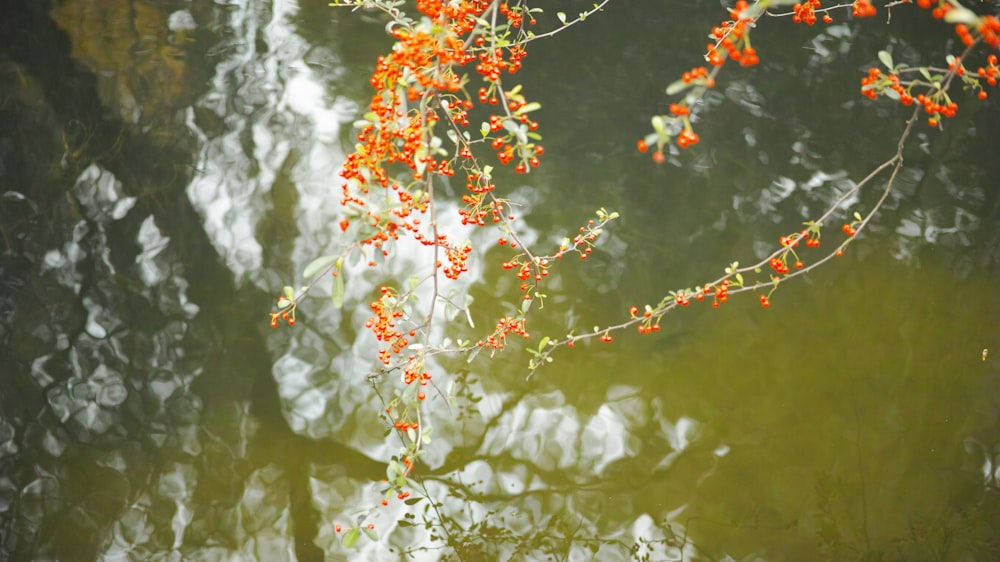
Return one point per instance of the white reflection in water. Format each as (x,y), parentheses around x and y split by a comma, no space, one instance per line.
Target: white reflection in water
(153,268)
(543,431)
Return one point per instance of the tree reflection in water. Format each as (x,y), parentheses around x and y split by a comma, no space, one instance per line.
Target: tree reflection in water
(166,165)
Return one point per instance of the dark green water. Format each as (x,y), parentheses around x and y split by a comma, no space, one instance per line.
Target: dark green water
(168,166)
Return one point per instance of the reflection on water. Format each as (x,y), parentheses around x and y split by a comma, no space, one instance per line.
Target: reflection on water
(180,167)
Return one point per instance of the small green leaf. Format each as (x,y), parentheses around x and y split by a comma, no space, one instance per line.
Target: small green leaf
(543,343)
(886,59)
(351,538)
(318,264)
(959,14)
(370,533)
(289,293)
(677,87)
(658,125)
(529,107)
(404,523)
(472,354)
(857,216)
(562,17)
(413,501)
(338,291)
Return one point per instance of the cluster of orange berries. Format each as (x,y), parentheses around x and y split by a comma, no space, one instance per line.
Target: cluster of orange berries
(721,293)
(477,207)
(696,73)
(288,315)
(862,9)
(937,104)
(686,138)
(515,15)
(805,13)
(780,263)
(411,376)
(731,37)
(991,72)
(988,28)
(423,63)
(746,57)
(457,258)
(936,110)
(648,326)
(492,63)
(405,425)
(585,238)
(383,324)
(506,325)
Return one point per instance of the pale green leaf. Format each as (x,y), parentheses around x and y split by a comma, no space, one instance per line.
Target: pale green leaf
(886,59)
(351,538)
(337,295)
(959,14)
(318,264)
(677,87)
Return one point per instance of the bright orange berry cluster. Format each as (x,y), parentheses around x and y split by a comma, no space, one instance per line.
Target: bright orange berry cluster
(506,325)
(384,324)
(805,13)
(686,138)
(863,9)
(697,73)
(732,39)
(288,315)
(991,72)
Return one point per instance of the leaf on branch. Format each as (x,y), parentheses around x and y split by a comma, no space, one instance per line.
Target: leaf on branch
(677,87)
(658,125)
(960,14)
(562,17)
(318,264)
(886,59)
(528,107)
(370,533)
(351,538)
(337,295)
(289,293)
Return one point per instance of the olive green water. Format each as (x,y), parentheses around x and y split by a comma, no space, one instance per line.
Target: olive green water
(168,166)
